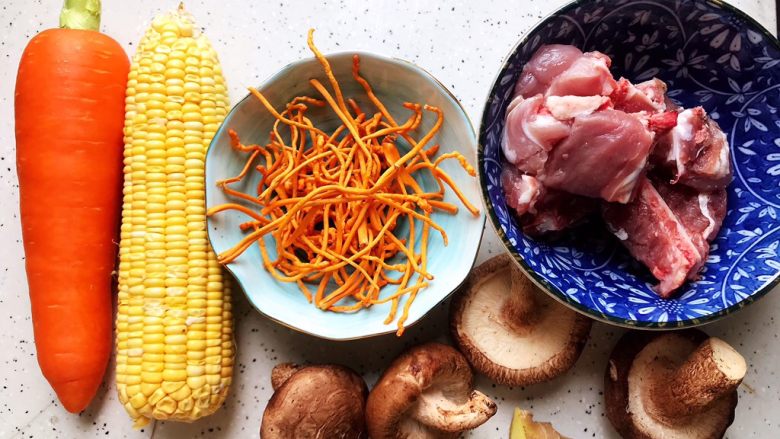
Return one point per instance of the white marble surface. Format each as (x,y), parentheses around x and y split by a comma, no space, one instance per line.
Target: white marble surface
(462,43)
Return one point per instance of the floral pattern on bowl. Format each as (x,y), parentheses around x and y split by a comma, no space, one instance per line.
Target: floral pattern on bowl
(709,54)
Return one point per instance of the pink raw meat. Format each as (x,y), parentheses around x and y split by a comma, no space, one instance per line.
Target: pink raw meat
(696,152)
(604,156)
(575,135)
(521,190)
(557,211)
(530,132)
(542,210)
(655,90)
(701,213)
(548,62)
(648,96)
(654,235)
(661,123)
(589,75)
(712,167)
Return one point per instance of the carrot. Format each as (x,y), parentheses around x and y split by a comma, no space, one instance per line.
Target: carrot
(69,107)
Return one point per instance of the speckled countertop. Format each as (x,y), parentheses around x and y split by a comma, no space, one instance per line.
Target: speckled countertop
(460,42)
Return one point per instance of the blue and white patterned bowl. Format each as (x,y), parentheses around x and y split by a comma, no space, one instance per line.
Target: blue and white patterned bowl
(710,54)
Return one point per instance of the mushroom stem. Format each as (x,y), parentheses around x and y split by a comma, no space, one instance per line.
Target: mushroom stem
(711,372)
(444,414)
(520,311)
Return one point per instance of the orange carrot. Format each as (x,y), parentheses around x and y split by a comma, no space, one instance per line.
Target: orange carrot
(69,109)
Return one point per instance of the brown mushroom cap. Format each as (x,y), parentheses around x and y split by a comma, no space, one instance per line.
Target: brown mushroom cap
(325,401)
(426,393)
(673,385)
(511,331)
(281,373)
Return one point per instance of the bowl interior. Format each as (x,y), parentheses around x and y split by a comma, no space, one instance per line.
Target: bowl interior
(394,82)
(709,54)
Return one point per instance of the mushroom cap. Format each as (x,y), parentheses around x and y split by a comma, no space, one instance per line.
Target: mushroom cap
(509,348)
(637,359)
(325,401)
(281,373)
(426,393)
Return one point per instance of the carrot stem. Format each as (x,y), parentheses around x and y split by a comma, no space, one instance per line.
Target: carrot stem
(80,14)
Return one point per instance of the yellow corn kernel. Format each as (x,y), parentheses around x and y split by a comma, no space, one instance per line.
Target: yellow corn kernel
(174,313)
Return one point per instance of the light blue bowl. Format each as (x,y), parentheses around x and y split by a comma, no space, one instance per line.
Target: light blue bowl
(395,82)
(710,54)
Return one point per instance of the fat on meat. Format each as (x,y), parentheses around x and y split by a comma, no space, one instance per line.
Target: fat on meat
(588,75)
(521,190)
(695,152)
(569,107)
(712,167)
(530,132)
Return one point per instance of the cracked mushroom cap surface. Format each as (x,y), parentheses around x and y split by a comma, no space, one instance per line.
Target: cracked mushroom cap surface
(323,401)
(510,330)
(426,393)
(672,385)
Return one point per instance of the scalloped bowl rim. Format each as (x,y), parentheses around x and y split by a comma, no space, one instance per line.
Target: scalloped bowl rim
(470,128)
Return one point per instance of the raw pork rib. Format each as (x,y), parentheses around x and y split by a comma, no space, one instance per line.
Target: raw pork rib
(576,138)
(655,236)
(696,152)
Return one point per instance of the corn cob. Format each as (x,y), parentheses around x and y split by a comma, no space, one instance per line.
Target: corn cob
(174,322)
